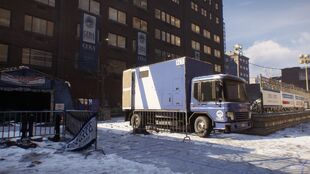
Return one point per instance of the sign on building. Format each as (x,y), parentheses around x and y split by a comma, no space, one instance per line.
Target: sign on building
(88,44)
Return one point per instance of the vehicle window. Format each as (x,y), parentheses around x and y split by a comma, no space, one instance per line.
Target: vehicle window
(196,91)
(208,91)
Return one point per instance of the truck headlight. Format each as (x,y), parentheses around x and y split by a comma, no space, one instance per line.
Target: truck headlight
(230,115)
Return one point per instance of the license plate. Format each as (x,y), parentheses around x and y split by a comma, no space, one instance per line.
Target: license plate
(243,125)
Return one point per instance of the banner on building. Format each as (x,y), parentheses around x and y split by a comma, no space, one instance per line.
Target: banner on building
(141,49)
(85,137)
(88,43)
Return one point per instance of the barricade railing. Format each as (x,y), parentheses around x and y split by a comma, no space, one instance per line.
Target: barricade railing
(14,124)
(164,121)
(22,124)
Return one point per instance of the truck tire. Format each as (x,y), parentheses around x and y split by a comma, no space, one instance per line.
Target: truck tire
(202,126)
(136,122)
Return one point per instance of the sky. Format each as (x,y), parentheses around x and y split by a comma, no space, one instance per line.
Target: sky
(273,33)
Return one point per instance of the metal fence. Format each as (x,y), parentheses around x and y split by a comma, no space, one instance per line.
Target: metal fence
(22,124)
(14,124)
(164,121)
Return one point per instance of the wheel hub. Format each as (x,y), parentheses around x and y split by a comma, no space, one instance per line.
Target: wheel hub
(201,126)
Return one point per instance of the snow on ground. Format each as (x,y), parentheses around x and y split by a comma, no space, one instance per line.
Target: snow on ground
(286,151)
(50,158)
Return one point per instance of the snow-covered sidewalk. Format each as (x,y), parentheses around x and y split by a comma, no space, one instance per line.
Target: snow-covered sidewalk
(286,151)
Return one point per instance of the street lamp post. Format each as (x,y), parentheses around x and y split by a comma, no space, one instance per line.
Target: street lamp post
(305,59)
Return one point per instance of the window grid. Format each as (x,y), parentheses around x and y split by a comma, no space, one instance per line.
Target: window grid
(139,24)
(37,57)
(167,37)
(38,25)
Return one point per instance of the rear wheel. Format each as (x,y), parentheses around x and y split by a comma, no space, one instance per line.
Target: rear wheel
(137,122)
(203,126)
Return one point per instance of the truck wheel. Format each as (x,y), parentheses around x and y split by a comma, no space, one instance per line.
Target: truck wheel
(203,126)
(136,121)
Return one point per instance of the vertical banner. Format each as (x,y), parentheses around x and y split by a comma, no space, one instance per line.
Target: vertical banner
(141,49)
(88,44)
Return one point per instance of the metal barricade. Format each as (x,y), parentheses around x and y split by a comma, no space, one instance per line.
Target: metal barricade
(164,121)
(15,124)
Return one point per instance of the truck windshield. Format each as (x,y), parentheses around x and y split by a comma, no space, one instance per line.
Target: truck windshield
(234,91)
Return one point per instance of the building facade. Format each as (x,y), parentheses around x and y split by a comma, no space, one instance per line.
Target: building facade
(46,35)
(295,76)
(230,66)
(237,64)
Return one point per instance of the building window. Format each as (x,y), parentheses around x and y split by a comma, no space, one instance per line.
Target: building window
(165,17)
(157,14)
(37,57)
(207,49)
(91,6)
(140,3)
(203,12)
(195,45)
(116,40)
(217,68)
(167,37)
(78,28)
(117,15)
(39,25)
(139,24)
(47,2)
(165,55)
(5,17)
(217,20)
(217,53)
(216,6)
(176,1)
(178,41)
(3,53)
(157,34)
(134,46)
(217,39)
(194,6)
(163,36)
(195,28)
(206,34)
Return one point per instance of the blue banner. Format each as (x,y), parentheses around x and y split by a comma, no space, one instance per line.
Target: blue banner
(86,136)
(88,44)
(141,49)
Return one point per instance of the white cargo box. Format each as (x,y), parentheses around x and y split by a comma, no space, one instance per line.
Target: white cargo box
(162,86)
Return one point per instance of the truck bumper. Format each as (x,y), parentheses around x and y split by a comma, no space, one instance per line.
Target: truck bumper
(233,127)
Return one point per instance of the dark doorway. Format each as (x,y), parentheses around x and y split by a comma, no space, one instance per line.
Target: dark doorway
(24,101)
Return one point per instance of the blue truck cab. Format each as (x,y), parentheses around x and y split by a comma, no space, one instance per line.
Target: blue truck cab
(223,100)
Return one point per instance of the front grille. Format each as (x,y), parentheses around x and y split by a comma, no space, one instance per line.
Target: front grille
(241,115)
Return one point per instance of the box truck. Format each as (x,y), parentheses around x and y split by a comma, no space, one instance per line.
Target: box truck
(183,95)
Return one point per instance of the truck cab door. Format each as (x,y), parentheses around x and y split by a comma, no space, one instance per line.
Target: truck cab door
(205,97)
